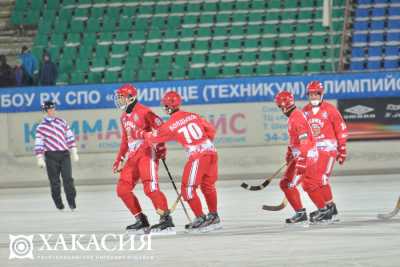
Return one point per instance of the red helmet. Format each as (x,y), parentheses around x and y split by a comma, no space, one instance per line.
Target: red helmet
(171,100)
(315,87)
(125,95)
(284,100)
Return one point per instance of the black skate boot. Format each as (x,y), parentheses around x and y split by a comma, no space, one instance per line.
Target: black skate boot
(213,222)
(300,217)
(141,226)
(196,225)
(334,212)
(323,216)
(164,227)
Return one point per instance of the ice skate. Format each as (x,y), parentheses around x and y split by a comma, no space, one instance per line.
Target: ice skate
(164,227)
(212,222)
(141,226)
(334,212)
(196,225)
(323,216)
(300,218)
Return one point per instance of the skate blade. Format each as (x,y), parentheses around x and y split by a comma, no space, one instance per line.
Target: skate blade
(166,231)
(138,232)
(211,227)
(304,224)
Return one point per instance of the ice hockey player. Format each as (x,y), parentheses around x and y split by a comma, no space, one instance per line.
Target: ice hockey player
(301,156)
(330,133)
(141,162)
(195,134)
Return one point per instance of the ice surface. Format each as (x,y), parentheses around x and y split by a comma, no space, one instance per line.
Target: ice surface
(250,237)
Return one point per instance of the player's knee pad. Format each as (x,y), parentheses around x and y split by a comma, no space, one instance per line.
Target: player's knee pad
(310,185)
(188,192)
(207,188)
(123,189)
(284,184)
(150,188)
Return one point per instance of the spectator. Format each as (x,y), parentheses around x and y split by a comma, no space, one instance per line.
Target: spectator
(21,77)
(29,63)
(6,76)
(48,71)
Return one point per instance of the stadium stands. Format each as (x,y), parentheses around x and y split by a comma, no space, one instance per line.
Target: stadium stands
(376,35)
(125,40)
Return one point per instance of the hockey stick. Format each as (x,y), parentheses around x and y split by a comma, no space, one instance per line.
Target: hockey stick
(265,183)
(176,190)
(276,208)
(389,215)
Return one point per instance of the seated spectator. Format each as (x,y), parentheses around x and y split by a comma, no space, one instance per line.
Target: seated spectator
(29,63)
(6,75)
(48,71)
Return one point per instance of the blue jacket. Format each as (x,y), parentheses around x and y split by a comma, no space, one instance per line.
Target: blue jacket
(29,63)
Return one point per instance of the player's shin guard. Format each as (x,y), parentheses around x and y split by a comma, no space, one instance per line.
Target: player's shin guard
(316,197)
(210,194)
(327,193)
(292,195)
(124,192)
(156,196)
(194,202)
(131,202)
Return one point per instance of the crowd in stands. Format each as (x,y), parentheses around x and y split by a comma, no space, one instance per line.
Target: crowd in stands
(28,71)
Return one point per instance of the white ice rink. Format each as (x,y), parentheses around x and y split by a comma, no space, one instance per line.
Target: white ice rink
(250,237)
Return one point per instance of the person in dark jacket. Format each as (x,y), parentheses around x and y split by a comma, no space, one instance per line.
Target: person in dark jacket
(6,73)
(20,75)
(48,71)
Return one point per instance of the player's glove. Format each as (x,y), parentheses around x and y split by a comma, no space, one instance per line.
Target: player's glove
(301,165)
(342,154)
(40,161)
(161,151)
(117,164)
(289,155)
(74,154)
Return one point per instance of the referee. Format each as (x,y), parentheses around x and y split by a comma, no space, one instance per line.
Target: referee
(53,144)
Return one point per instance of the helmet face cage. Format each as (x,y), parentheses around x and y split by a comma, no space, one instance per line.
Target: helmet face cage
(124,96)
(285,101)
(171,101)
(315,87)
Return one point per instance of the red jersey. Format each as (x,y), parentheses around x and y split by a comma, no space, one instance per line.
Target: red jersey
(141,118)
(328,126)
(301,140)
(193,132)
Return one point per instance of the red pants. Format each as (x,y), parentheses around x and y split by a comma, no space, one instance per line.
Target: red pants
(326,161)
(203,171)
(145,167)
(310,181)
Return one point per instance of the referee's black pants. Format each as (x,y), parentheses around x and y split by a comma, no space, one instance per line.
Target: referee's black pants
(59,162)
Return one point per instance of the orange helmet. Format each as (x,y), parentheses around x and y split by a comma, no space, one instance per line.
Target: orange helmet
(315,87)
(125,95)
(171,100)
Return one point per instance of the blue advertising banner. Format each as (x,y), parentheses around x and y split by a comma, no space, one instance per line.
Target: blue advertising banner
(199,92)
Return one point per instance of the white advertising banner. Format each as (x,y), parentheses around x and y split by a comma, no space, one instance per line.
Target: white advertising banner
(98,130)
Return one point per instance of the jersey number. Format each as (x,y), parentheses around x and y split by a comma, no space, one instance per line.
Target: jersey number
(190,132)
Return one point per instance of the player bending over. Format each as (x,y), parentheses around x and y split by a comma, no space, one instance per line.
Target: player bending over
(141,162)
(195,134)
(330,133)
(301,156)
